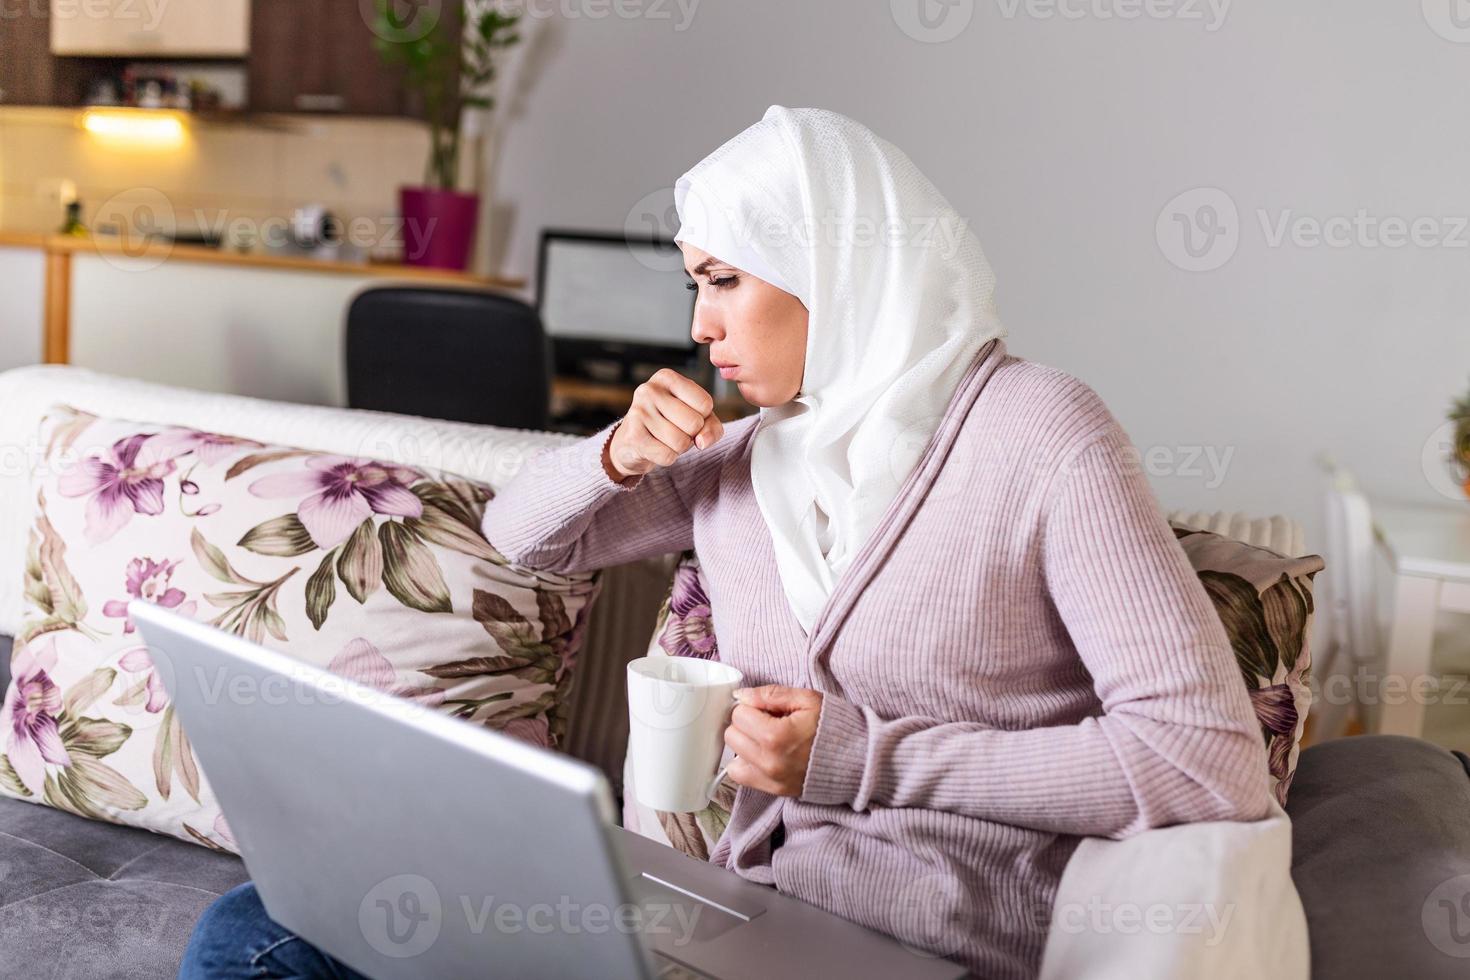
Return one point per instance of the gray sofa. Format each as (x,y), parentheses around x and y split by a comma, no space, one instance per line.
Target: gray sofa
(1379,821)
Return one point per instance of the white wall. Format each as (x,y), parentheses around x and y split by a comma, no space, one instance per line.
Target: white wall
(1063,139)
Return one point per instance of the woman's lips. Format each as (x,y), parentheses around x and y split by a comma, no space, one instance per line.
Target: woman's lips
(729,372)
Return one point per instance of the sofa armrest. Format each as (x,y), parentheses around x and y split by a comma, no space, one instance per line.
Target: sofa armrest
(1379,824)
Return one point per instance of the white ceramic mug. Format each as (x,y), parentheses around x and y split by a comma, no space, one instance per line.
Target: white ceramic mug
(678,709)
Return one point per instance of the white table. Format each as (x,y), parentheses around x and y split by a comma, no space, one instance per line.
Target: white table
(1429,547)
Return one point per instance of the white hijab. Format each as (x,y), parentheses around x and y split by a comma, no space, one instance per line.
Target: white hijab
(899,299)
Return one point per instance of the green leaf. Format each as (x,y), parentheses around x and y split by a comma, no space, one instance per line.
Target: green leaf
(554,620)
(442,528)
(1240,610)
(526,709)
(460,499)
(35,630)
(410,572)
(163,754)
(280,537)
(72,423)
(81,694)
(321,591)
(1285,612)
(361,564)
(682,830)
(476,667)
(36,590)
(183,756)
(135,695)
(90,789)
(65,601)
(255,459)
(214,560)
(204,840)
(9,779)
(274,624)
(95,737)
(512,631)
(466,707)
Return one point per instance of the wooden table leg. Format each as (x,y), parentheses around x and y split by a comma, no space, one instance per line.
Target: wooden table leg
(56,341)
(1401,692)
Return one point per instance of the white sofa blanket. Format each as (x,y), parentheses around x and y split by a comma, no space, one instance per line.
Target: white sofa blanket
(1207,901)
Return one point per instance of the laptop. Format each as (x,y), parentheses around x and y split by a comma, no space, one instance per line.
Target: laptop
(407,843)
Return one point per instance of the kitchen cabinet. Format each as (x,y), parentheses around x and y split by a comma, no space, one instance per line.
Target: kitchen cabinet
(319,57)
(308,56)
(25,64)
(137,28)
(23,270)
(29,73)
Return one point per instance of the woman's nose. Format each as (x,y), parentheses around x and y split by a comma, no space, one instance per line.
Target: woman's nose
(705,329)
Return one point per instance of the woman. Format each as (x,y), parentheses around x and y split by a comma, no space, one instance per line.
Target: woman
(970,635)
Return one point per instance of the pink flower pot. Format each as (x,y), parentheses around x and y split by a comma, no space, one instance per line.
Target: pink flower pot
(438,227)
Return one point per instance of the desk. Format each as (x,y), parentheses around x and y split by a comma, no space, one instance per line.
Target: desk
(1429,548)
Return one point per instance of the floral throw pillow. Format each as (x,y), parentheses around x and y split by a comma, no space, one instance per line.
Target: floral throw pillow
(376,571)
(683,629)
(1265,601)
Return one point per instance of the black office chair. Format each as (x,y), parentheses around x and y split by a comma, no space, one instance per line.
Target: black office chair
(458,354)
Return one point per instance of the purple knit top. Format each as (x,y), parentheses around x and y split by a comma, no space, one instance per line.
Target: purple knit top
(1019,656)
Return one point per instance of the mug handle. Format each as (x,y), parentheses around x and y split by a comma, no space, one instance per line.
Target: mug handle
(714,784)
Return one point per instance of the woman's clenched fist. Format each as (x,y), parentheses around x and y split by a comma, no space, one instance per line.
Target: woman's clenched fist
(669,414)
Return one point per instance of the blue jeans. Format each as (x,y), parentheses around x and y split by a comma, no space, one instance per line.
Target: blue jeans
(235,940)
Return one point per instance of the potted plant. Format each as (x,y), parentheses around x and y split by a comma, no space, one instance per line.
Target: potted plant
(450,63)
(1460,454)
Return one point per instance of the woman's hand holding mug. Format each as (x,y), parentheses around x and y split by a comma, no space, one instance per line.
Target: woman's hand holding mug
(669,415)
(771,732)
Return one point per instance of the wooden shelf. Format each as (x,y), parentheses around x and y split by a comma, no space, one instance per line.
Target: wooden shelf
(103,245)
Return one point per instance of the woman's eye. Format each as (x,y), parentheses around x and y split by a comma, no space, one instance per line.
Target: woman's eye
(725,282)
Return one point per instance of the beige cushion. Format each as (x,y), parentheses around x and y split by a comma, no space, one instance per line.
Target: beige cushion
(1280,534)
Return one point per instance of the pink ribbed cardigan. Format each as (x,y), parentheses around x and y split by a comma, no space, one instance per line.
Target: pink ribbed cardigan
(1019,656)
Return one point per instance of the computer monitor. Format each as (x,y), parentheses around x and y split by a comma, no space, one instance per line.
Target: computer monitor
(611,303)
